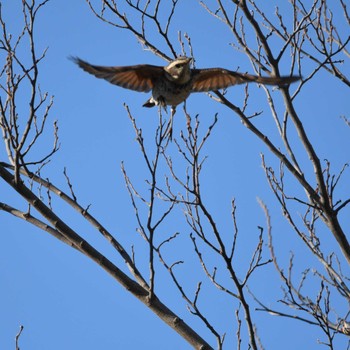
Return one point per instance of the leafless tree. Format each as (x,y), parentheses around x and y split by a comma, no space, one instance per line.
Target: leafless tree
(312,38)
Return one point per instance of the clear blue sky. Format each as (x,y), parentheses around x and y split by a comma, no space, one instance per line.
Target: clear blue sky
(64,300)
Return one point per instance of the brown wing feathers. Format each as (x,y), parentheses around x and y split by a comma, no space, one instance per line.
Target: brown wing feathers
(218,78)
(143,77)
(138,78)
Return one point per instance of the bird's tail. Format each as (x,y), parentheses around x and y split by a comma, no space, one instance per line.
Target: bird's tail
(149,103)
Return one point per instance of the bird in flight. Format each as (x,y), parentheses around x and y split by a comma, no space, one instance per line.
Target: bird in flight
(173,83)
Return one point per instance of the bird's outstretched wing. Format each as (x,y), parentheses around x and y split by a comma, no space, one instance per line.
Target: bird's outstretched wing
(218,78)
(139,78)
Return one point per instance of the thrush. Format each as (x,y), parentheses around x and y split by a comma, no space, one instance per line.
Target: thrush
(173,83)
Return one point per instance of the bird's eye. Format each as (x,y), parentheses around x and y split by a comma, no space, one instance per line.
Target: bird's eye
(178,65)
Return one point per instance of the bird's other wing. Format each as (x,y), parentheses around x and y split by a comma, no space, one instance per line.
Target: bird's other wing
(218,78)
(139,78)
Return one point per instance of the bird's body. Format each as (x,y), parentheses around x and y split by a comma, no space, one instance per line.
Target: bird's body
(168,93)
(172,84)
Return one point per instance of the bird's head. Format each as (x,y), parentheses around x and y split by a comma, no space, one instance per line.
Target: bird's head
(179,70)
